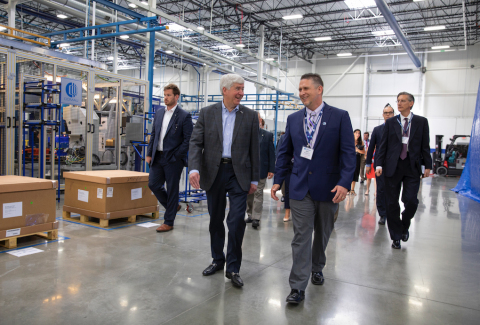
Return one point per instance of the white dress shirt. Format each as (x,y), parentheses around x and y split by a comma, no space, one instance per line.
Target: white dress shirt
(166,120)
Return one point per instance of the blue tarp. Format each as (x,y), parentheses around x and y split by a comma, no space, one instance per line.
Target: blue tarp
(469,183)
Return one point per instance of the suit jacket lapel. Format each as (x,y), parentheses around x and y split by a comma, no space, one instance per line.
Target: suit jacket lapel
(159,121)
(327,112)
(238,121)
(302,128)
(414,126)
(398,128)
(218,120)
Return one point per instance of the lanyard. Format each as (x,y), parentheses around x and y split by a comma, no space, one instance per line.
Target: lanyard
(405,131)
(308,134)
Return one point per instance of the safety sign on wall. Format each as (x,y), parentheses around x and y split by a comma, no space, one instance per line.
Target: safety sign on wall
(71,92)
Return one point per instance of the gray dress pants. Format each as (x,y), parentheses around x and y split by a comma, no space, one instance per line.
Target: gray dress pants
(310,216)
(255,201)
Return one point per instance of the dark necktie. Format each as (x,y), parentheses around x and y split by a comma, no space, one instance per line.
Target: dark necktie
(403,155)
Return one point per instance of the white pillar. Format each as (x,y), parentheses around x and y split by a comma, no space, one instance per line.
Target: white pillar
(364,124)
(11,13)
(93,31)
(423,78)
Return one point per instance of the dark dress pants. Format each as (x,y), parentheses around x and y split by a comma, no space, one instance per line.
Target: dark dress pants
(162,172)
(380,200)
(226,182)
(404,175)
(287,189)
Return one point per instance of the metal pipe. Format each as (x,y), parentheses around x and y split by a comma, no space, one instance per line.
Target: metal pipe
(387,14)
(464,24)
(364,124)
(93,30)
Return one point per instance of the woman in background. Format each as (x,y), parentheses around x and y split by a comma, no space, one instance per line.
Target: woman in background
(360,150)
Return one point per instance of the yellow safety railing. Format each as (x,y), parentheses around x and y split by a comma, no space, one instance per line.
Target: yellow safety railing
(11,30)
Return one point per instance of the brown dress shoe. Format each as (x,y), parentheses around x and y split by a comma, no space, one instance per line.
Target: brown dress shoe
(164,228)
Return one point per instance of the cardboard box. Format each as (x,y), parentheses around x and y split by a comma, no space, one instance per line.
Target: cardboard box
(26,202)
(25,231)
(105,192)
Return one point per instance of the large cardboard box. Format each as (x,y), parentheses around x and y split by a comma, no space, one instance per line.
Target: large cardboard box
(26,202)
(104,193)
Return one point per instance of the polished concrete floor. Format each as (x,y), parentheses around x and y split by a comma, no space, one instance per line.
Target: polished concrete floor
(132,275)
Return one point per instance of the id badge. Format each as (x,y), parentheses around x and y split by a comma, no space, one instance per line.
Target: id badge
(307,153)
(405,140)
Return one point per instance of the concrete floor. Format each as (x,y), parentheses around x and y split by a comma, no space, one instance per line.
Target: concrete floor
(132,275)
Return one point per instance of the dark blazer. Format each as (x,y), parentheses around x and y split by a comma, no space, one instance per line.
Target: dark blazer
(374,141)
(267,153)
(333,162)
(175,143)
(418,146)
(206,146)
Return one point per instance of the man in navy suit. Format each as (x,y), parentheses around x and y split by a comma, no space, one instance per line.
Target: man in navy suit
(404,147)
(320,139)
(374,146)
(167,153)
(267,168)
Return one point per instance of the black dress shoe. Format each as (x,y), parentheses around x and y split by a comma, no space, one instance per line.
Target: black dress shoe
(296,296)
(396,244)
(382,221)
(317,278)
(249,220)
(212,268)
(236,279)
(405,236)
(255,223)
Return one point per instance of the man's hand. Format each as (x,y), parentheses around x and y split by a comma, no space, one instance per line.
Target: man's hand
(253,188)
(270,175)
(378,172)
(194,180)
(148,159)
(273,192)
(427,173)
(368,169)
(341,193)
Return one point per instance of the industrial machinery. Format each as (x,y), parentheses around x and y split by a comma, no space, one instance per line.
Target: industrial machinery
(453,162)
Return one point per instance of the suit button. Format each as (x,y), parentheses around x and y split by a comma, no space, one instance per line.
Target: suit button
(310,173)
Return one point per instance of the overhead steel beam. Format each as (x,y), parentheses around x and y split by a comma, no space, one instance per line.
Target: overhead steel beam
(387,14)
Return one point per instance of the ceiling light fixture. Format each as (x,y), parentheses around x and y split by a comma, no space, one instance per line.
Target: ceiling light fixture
(62,16)
(269,59)
(297,16)
(2,28)
(344,54)
(360,4)
(169,52)
(110,58)
(240,45)
(132,5)
(440,47)
(200,28)
(124,36)
(144,3)
(430,28)
(418,0)
(64,45)
(322,39)
(383,32)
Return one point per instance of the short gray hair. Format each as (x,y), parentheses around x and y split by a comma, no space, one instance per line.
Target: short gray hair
(228,80)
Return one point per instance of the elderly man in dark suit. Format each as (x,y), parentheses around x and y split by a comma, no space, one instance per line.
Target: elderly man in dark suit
(267,167)
(167,153)
(224,159)
(405,145)
(320,139)
(377,133)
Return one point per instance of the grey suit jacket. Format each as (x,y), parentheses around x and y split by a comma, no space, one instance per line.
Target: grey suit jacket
(206,146)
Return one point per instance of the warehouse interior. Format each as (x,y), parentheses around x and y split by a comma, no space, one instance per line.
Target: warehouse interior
(120,54)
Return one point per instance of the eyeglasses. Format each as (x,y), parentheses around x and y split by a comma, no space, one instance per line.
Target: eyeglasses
(388,113)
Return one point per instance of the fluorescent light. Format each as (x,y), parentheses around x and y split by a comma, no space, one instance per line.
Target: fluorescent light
(168,52)
(269,59)
(344,54)
(360,4)
(62,16)
(64,45)
(132,5)
(440,47)
(297,16)
(144,3)
(430,28)
(240,45)
(110,58)
(224,47)
(154,68)
(173,27)
(321,39)
(200,28)
(383,32)
(2,28)
(124,36)
(418,0)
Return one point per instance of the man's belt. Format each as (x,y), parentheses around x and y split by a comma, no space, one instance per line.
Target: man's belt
(226,160)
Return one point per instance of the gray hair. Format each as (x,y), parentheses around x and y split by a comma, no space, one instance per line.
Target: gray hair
(228,80)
